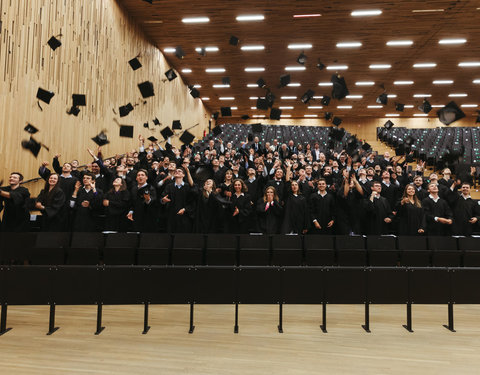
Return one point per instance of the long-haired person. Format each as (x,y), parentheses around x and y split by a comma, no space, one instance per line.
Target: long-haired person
(225,191)
(13,200)
(207,209)
(269,212)
(296,215)
(51,202)
(410,214)
(240,208)
(117,203)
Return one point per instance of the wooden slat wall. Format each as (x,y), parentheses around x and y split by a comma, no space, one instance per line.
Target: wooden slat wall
(98,40)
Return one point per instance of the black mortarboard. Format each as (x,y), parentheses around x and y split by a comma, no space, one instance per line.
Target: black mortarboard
(450,113)
(337,133)
(146,89)
(302,59)
(307,96)
(245,117)
(155,121)
(215,115)
(170,74)
(194,92)
(73,111)
(79,100)
(250,137)
(225,80)
(234,40)
(217,130)
(320,65)
(145,125)
(30,129)
(339,90)
(126,131)
(32,145)
(135,63)
(44,95)
(262,104)
(54,43)
(202,51)
(275,113)
(388,125)
(337,121)
(352,143)
(366,146)
(226,111)
(400,150)
(176,125)
(285,80)
(166,133)
(101,139)
(409,140)
(328,115)
(257,128)
(152,139)
(125,109)
(187,137)
(261,82)
(203,174)
(399,107)
(425,107)
(179,52)
(326,100)
(382,99)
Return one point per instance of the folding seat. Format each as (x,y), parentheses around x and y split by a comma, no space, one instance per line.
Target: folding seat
(85,248)
(254,250)
(382,251)
(351,251)
(188,249)
(16,247)
(154,249)
(50,248)
(471,248)
(287,250)
(221,250)
(414,251)
(445,251)
(319,250)
(120,248)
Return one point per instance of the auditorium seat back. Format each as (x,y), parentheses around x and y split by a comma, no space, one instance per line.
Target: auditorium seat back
(351,251)
(414,251)
(50,248)
(382,251)
(287,250)
(120,248)
(154,249)
(444,251)
(319,250)
(254,250)
(85,248)
(188,249)
(221,250)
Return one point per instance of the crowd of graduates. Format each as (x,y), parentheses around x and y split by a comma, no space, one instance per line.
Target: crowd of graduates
(270,188)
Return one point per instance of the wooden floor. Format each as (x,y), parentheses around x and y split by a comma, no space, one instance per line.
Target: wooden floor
(258,348)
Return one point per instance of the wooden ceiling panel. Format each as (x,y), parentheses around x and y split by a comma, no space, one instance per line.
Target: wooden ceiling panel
(423,22)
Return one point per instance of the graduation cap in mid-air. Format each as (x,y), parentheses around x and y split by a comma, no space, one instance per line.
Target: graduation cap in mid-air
(226,111)
(339,89)
(135,63)
(32,145)
(79,100)
(125,109)
(275,113)
(54,43)
(152,139)
(44,95)
(126,131)
(450,113)
(30,129)
(176,125)
(187,137)
(217,130)
(166,133)
(146,89)
(101,139)
(337,121)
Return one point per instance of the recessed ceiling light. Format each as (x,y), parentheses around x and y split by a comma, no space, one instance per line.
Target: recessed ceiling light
(186,70)
(380,66)
(318,97)
(427,10)
(254,69)
(196,20)
(288,97)
(315,107)
(354,96)
(391,96)
(253,108)
(437,106)
(364,83)
(375,106)
(205,98)
(348,44)
(325,84)
(420,114)
(253,17)
(469,105)
(307,15)
(457,95)
(197,86)
(310,115)
(392,115)
(452,41)
(299,46)
(422,95)
(220,86)
(337,67)
(469,64)
(294,84)
(285,115)
(207,49)
(443,82)
(226,98)
(233,108)
(253,98)
(399,43)
(293,68)
(252,48)
(344,106)
(477,81)
(258,115)
(169,50)
(363,13)
(409,106)
(215,70)
(252,85)
(424,65)
(288,107)
(403,83)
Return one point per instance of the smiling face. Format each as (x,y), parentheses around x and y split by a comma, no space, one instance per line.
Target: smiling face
(53,180)
(237,186)
(410,190)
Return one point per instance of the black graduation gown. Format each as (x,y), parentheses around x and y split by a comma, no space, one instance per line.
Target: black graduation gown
(269,220)
(410,219)
(432,210)
(279,188)
(84,218)
(391,193)
(207,213)
(463,210)
(182,197)
(377,212)
(296,215)
(255,190)
(54,214)
(421,194)
(239,223)
(323,210)
(117,210)
(16,217)
(144,214)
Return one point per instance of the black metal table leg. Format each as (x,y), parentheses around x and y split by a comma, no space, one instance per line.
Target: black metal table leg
(366,326)
(450,326)
(235,328)
(3,320)
(146,327)
(408,326)
(99,319)
(323,326)
(192,327)
(280,318)
(51,321)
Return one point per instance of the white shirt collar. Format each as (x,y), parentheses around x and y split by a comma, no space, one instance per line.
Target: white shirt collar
(323,195)
(433,199)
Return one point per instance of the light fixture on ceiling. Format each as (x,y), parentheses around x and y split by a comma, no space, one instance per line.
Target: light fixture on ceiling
(367,12)
(348,44)
(442,82)
(380,66)
(399,43)
(196,20)
(252,17)
(424,65)
(215,70)
(337,67)
(364,83)
(452,41)
(469,64)
(400,83)
(186,70)
(299,46)
(293,68)
(252,48)
(254,69)
(457,95)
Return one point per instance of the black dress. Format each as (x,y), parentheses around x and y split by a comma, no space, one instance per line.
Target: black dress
(296,215)
(411,218)
(16,217)
(269,218)
(207,214)
(239,223)
(54,214)
(117,210)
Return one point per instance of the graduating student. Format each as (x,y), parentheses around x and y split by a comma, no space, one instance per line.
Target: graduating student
(13,199)
(437,212)
(466,211)
(420,192)
(180,201)
(322,210)
(269,212)
(143,199)
(296,213)
(85,202)
(254,183)
(410,213)
(379,211)
(238,212)
(389,188)
(51,202)
(117,203)
(207,209)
